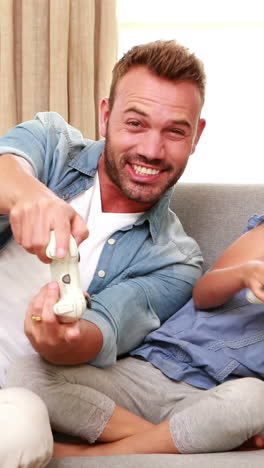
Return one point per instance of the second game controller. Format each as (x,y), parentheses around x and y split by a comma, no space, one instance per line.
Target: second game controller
(252,298)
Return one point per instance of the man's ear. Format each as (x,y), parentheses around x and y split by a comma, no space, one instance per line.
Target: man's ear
(200,129)
(104,115)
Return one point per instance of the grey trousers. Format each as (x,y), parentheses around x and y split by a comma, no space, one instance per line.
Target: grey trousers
(81,400)
(26,440)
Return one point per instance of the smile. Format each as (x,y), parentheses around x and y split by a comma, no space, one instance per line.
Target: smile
(144,170)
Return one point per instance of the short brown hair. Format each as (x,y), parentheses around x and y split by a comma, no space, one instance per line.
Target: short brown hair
(167,59)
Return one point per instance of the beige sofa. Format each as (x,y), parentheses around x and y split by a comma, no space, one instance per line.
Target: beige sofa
(214,215)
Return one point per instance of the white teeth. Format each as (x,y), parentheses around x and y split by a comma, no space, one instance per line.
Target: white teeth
(144,170)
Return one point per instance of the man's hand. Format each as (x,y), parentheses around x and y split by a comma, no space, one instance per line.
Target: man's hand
(60,343)
(37,213)
(34,211)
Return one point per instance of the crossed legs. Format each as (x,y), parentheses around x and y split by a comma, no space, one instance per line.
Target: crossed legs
(167,417)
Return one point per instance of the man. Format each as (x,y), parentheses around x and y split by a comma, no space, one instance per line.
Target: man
(137,263)
(194,386)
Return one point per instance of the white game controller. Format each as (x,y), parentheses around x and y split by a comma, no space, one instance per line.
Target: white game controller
(252,298)
(65,271)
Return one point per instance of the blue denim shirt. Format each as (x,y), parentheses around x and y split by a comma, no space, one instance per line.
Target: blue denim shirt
(152,266)
(205,348)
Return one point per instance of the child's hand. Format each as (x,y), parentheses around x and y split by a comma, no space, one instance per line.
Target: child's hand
(253,277)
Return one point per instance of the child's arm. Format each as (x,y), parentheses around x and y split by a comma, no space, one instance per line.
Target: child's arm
(240,266)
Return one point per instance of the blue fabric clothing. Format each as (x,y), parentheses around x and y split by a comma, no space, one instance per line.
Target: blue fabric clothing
(206,348)
(152,266)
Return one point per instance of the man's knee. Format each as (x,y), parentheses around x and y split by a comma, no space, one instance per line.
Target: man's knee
(28,372)
(26,438)
(243,398)
(251,393)
(222,420)
(246,391)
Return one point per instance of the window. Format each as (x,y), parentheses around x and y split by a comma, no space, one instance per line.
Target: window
(229,37)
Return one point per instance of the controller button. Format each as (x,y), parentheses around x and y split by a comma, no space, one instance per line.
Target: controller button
(64,309)
(111,241)
(66,278)
(101,273)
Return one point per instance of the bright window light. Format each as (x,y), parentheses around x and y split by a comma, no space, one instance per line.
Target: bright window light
(229,37)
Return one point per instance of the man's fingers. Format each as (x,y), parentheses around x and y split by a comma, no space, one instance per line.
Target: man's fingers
(52,296)
(79,229)
(35,308)
(37,301)
(43,257)
(72,332)
(33,221)
(62,235)
(76,226)
(41,238)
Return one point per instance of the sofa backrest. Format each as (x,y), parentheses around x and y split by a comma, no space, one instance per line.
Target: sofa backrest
(216,214)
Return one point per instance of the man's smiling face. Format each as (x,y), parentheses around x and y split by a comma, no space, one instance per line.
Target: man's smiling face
(150,132)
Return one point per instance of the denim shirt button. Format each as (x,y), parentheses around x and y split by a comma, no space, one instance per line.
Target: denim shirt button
(111,241)
(101,273)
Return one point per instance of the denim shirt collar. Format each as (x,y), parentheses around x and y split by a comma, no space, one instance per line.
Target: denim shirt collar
(86,162)
(156,214)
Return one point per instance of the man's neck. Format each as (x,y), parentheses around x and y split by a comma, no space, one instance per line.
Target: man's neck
(113,199)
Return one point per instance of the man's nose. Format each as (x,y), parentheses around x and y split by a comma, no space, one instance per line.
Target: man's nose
(151,145)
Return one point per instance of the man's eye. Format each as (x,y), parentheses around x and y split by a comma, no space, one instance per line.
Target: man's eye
(133,123)
(177,131)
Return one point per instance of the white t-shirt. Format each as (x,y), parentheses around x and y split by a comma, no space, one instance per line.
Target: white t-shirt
(23,274)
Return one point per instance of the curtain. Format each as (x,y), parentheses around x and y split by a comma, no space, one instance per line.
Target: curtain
(56,55)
